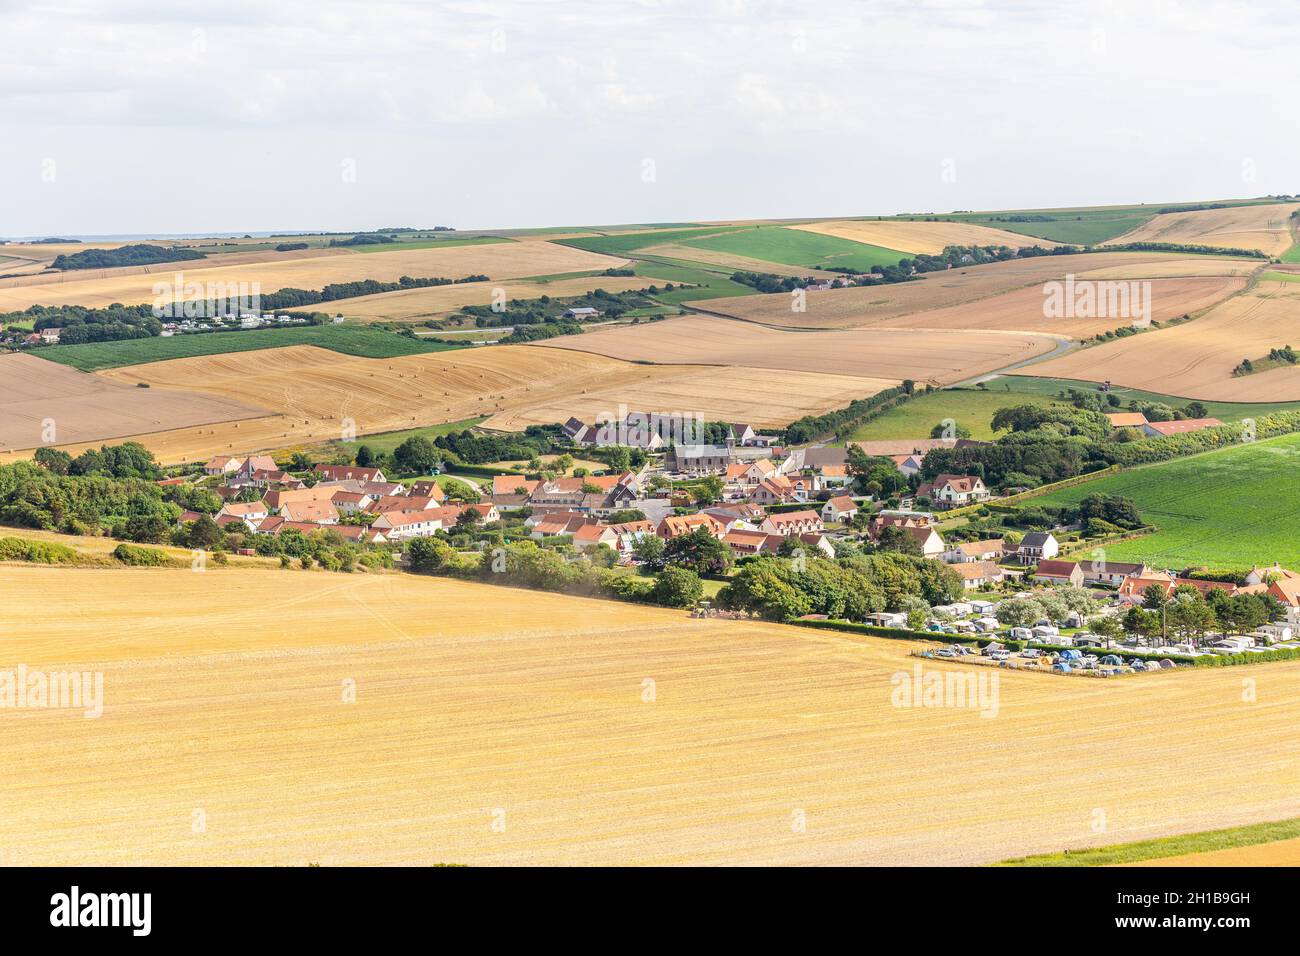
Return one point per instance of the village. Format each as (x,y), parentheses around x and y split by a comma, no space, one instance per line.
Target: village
(1015,592)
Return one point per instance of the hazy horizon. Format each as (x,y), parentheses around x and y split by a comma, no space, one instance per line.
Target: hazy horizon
(150,119)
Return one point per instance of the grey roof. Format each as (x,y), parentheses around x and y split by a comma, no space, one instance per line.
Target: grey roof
(1035,539)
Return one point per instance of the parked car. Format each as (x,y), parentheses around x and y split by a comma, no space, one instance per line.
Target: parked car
(945,652)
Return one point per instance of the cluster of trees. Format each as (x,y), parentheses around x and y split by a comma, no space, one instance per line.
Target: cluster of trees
(88,502)
(364,239)
(1187,615)
(141,254)
(476,449)
(1054,605)
(768,282)
(780,588)
(547,330)
(544,309)
(292,246)
(1276,357)
(1191,248)
(83,324)
(296,298)
(699,552)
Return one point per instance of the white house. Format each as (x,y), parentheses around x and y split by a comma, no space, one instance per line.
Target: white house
(840,508)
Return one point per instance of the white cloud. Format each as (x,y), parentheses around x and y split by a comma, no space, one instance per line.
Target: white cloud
(531,112)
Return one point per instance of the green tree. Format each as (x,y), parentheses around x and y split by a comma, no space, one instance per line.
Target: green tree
(677,587)
(699,551)
(416,455)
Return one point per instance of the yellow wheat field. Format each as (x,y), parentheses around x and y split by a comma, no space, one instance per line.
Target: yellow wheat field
(1263,227)
(499,260)
(1196,359)
(867,305)
(317,394)
(494,726)
(942,356)
(411,305)
(929,238)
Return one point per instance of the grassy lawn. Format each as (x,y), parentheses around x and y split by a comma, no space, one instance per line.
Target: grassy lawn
(348,339)
(795,247)
(974,407)
(1165,847)
(1224,509)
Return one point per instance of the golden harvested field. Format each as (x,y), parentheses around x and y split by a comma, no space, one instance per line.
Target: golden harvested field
(929,238)
(1237,227)
(1196,359)
(414,304)
(314,392)
(223,694)
(1022,310)
(720,394)
(867,305)
(498,260)
(88,408)
(1277,853)
(942,356)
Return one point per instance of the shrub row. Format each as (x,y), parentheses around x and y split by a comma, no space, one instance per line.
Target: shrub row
(38,552)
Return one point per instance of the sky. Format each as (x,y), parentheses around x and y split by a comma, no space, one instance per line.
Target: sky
(185,117)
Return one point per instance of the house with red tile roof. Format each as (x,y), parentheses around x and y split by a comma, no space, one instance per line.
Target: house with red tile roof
(840,508)
(791,522)
(674,526)
(356,472)
(1052,571)
(954,491)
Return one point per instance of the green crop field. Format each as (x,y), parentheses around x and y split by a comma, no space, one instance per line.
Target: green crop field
(974,407)
(794,247)
(1279,277)
(711,284)
(1292,254)
(349,339)
(1224,509)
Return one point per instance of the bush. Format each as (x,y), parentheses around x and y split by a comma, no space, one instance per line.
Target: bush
(677,587)
(141,557)
(38,552)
